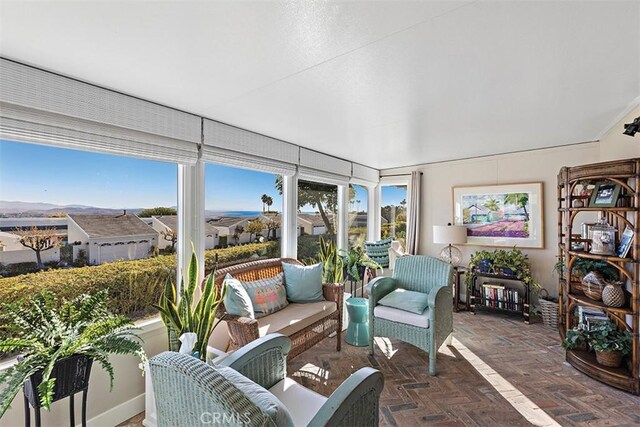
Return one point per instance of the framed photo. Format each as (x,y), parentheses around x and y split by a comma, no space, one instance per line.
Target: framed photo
(625,242)
(501,215)
(605,195)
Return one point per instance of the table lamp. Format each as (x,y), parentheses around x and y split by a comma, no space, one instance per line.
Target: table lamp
(450,235)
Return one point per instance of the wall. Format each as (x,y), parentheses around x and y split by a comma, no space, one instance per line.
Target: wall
(614,145)
(27,255)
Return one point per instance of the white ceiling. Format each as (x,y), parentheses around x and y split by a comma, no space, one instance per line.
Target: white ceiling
(382,83)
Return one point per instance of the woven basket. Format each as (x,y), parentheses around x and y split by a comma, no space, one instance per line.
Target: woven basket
(549,310)
(592,285)
(612,359)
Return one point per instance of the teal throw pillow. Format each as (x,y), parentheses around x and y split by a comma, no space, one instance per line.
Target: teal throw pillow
(236,299)
(303,283)
(267,295)
(414,302)
(259,396)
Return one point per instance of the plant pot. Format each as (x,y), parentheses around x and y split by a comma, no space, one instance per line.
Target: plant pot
(484,266)
(72,376)
(506,271)
(612,359)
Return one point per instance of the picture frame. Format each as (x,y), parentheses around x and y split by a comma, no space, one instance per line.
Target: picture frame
(502,215)
(605,195)
(626,239)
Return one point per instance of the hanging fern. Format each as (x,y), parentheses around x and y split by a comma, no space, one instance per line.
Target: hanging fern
(46,334)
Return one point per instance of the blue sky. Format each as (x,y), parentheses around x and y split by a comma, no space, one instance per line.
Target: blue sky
(392,195)
(37,173)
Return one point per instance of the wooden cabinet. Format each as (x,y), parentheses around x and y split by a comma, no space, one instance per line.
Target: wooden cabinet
(576,207)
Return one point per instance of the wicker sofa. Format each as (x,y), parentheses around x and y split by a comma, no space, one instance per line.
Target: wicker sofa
(305,324)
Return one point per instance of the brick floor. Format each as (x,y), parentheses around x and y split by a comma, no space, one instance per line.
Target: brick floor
(529,357)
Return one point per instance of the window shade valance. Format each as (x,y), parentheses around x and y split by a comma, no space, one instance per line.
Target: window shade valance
(246,161)
(364,175)
(41,107)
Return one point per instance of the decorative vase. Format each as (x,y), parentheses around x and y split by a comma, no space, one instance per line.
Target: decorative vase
(612,359)
(577,203)
(613,294)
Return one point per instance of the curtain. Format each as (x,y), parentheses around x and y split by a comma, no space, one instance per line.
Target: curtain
(413,216)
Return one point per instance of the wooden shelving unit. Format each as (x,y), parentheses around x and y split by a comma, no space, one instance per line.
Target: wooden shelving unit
(625,173)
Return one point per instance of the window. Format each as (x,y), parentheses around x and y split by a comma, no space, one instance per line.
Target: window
(62,209)
(317,216)
(243,213)
(358,208)
(394,212)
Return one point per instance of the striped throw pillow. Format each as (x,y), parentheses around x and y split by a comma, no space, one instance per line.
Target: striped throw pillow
(267,295)
(379,251)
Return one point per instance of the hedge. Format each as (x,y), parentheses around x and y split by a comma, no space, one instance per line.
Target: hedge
(133,285)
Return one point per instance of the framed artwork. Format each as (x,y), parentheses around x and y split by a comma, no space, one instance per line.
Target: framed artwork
(605,195)
(501,215)
(625,242)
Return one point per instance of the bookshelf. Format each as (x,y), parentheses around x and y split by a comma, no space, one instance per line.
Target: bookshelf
(511,298)
(575,209)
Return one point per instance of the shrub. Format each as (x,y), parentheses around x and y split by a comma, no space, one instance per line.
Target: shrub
(133,285)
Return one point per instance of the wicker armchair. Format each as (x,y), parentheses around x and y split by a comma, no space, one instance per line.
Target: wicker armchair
(427,331)
(190,392)
(243,330)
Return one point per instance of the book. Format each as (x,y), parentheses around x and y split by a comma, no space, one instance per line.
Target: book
(625,243)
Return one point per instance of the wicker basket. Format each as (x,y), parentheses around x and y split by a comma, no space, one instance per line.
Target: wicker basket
(612,359)
(592,285)
(549,310)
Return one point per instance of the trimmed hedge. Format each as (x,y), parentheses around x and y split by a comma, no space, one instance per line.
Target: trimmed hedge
(133,285)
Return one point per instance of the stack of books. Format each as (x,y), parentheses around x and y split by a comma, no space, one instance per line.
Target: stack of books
(587,316)
(496,295)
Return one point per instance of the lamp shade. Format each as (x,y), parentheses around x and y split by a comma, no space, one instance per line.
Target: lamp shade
(449,234)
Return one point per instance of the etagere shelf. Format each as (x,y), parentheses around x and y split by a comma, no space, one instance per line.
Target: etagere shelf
(572,210)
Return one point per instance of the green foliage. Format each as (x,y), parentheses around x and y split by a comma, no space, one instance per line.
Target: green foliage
(254,227)
(182,313)
(582,266)
(332,263)
(605,336)
(355,259)
(575,338)
(159,211)
(46,332)
(134,286)
(500,259)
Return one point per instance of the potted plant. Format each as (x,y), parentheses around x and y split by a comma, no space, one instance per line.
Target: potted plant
(609,343)
(356,262)
(576,339)
(181,312)
(583,266)
(481,261)
(60,342)
(332,262)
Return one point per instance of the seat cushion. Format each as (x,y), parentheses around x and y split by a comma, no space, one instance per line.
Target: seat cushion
(237,301)
(402,316)
(402,299)
(259,396)
(302,403)
(295,317)
(267,295)
(303,283)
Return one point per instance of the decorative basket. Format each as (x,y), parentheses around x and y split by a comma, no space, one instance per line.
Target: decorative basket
(549,310)
(593,284)
(613,295)
(612,359)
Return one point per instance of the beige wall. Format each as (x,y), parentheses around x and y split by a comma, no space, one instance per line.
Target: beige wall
(539,165)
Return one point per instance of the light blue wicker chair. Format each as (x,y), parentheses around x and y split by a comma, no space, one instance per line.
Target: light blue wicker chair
(190,393)
(427,331)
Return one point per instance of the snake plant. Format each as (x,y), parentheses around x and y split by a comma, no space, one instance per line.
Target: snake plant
(332,262)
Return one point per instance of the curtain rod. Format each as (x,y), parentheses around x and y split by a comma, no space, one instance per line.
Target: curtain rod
(399,174)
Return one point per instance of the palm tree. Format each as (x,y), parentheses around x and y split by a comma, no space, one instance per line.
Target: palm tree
(269,202)
(492,205)
(519,200)
(264,199)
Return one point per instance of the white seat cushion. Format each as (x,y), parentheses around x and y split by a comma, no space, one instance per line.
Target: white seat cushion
(295,317)
(301,402)
(401,316)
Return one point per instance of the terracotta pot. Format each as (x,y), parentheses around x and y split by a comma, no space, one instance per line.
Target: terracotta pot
(612,359)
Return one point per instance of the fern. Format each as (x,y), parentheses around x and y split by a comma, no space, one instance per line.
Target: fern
(47,334)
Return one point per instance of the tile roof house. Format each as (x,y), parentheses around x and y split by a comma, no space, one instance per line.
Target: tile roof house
(106,238)
(312,224)
(170,223)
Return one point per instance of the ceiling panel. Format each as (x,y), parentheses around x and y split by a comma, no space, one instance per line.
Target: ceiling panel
(381,83)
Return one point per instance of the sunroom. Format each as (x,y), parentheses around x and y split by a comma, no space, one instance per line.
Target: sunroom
(319,213)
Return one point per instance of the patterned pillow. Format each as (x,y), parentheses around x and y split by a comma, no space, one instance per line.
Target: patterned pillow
(267,295)
(379,251)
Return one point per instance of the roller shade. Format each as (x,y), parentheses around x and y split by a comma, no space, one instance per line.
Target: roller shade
(364,175)
(316,166)
(37,106)
(242,148)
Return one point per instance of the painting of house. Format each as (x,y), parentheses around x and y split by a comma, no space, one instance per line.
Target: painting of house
(167,225)
(106,238)
(496,215)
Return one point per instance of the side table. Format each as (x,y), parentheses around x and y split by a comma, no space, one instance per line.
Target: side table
(458,272)
(358,329)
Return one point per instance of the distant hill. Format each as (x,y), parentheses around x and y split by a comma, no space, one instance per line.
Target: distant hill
(35,209)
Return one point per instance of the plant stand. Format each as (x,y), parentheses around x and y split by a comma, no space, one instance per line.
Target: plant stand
(499,304)
(72,376)
(358,330)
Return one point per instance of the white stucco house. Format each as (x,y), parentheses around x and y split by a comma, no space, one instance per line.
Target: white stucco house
(13,252)
(312,224)
(169,223)
(107,238)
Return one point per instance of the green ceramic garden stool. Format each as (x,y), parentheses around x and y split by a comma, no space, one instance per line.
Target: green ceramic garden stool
(358,329)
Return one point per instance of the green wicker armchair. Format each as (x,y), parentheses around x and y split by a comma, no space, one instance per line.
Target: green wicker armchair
(190,393)
(426,331)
